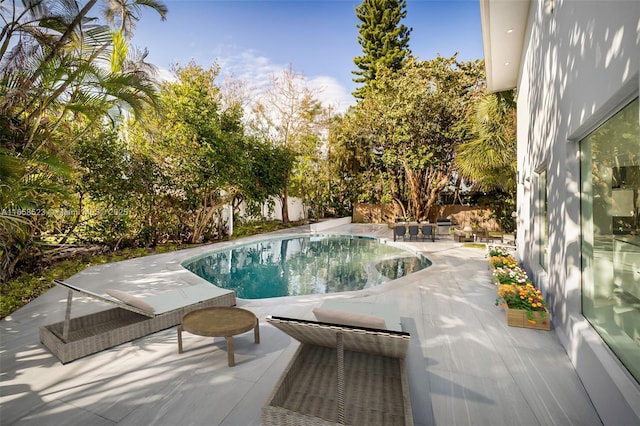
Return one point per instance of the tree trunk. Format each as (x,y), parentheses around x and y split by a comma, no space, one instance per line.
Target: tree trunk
(209,208)
(425,187)
(76,221)
(285,206)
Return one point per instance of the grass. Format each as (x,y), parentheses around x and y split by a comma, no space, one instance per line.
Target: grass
(475,245)
(16,293)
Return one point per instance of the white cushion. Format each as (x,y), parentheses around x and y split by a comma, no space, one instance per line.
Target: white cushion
(130,299)
(349,318)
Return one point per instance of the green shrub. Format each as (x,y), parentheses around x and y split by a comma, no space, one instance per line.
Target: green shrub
(18,292)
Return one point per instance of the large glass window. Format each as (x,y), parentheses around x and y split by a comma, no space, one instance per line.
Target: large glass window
(542,221)
(610,173)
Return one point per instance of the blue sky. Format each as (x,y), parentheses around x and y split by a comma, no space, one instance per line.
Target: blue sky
(252,39)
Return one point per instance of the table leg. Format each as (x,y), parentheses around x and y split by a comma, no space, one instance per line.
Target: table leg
(256,331)
(230,354)
(179,339)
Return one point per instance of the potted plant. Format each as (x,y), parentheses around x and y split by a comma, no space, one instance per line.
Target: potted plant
(497,251)
(510,275)
(502,261)
(524,305)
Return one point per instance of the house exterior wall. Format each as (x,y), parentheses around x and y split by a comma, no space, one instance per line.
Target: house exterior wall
(580,64)
(272,209)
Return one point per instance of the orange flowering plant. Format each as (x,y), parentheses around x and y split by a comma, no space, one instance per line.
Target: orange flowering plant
(526,297)
(503,261)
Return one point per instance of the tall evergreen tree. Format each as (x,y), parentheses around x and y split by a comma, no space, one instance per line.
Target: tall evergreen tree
(384,41)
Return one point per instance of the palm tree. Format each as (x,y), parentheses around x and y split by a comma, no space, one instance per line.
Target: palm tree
(39,31)
(489,157)
(123,14)
(54,88)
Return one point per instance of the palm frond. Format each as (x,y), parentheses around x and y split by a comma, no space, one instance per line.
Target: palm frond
(119,51)
(489,156)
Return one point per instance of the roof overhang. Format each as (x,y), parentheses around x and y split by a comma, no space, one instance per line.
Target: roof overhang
(504,23)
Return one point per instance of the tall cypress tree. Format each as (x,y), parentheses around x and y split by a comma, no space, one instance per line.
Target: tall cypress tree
(384,41)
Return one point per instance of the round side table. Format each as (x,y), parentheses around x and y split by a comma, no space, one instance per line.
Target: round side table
(220,322)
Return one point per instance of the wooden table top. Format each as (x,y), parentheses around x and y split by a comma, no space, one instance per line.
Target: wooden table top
(219,321)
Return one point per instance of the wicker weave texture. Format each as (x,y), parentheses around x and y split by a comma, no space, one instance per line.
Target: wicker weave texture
(386,343)
(376,390)
(102,330)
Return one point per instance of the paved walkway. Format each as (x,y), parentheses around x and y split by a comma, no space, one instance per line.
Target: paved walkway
(466,367)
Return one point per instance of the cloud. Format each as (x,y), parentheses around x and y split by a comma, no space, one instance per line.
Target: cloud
(255,70)
(249,67)
(331,93)
(164,74)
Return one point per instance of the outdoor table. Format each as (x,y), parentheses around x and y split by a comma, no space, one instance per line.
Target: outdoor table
(220,322)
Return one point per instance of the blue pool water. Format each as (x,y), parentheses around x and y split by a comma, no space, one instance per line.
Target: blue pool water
(308,264)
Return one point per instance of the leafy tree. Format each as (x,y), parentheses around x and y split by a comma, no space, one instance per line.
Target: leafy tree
(488,157)
(289,116)
(384,40)
(197,146)
(265,174)
(356,167)
(105,189)
(203,157)
(341,183)
(402,137)
(54,90)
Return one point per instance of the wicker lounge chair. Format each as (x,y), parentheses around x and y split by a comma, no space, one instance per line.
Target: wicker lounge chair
(74,338)
(341,375)
(368,312)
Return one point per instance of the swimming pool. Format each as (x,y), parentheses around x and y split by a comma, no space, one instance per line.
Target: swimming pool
(304,264)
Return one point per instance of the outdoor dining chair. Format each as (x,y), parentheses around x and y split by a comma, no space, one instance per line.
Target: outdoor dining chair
(427,232)
(400,230)
(413,231)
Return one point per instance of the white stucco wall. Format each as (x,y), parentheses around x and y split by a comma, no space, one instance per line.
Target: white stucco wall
(296,209)
(581,62)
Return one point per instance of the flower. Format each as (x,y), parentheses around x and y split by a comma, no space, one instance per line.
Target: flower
(497,251)
(515,289)
(512,275)
(503,261)
(526,297)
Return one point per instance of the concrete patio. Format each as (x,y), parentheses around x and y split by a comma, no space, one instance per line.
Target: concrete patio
(466,366)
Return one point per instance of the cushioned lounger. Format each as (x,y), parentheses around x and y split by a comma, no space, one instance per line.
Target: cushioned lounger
(388,313)
(74,338)
(341,375)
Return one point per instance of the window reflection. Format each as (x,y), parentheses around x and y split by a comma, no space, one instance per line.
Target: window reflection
(611,233)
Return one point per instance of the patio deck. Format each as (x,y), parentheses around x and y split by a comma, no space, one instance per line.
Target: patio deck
(466,366)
